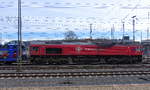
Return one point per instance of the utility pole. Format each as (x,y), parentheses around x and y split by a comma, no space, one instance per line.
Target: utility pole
(147,33)
(112,31)
(148,28)
(141,36)
(19,58)
(123,29)
(133,27)
(5,36)
(90,31)
(1,37)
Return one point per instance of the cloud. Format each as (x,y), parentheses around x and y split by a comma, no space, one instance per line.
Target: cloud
(57,16)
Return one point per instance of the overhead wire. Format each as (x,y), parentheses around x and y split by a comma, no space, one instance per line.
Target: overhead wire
(131,10)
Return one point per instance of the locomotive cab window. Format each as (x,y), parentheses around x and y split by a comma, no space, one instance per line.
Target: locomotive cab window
(35,48)
(53,50)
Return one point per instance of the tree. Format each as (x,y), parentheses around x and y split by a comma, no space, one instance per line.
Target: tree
(70,35)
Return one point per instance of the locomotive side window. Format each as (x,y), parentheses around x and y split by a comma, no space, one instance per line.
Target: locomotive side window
(53,50)
(35,48)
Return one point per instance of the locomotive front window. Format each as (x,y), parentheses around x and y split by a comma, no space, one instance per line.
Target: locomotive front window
(53,50)
(35,48)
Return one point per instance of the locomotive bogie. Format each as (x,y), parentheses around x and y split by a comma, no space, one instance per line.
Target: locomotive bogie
(86,59)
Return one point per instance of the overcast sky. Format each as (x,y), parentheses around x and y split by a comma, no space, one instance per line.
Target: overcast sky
(49,19)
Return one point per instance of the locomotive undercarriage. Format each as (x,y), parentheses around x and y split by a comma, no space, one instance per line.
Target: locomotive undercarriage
(86,59)
(123,59)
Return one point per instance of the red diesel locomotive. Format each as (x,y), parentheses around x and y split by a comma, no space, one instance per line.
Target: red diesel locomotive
(84,52)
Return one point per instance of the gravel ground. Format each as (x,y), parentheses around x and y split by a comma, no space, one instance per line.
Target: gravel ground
(77,81)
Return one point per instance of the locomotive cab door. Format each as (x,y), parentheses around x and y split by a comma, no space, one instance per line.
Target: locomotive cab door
(146,53)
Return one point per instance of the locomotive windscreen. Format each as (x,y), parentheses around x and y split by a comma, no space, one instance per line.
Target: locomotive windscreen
(35,48)
(53,50)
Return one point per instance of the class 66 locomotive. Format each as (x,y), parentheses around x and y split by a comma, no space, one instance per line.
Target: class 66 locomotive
(85,53)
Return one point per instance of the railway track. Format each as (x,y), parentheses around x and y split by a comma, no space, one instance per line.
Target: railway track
(42,71)
(71,74)
(56,67)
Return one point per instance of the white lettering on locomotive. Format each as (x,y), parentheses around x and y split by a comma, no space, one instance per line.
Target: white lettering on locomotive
(78,49)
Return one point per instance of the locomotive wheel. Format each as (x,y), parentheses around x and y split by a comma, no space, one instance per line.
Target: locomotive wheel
(70,60)
(136,60)
(113,60)
(38,61)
